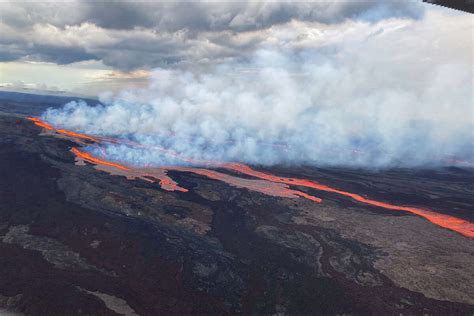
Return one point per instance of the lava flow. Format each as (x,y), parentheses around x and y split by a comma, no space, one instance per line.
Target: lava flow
(461,226)
(264,183)
(149,174)
(262,186)
(88,157)
(40,123)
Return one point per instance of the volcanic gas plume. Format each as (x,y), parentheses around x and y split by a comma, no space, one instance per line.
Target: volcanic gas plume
(262,182)
(342,107)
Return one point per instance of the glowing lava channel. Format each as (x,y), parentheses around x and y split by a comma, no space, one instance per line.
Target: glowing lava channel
(88,157)
(453,223)
(148,174)
(40,123)
(265,183)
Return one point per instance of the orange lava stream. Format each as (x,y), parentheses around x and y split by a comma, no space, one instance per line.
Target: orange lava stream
(268,186)
(88,157)
(461,226)
(76,135)
(262,186)
(166,183)
(150,175)
(40,123)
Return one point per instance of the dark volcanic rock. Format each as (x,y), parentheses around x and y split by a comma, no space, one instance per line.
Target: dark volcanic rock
(78,241)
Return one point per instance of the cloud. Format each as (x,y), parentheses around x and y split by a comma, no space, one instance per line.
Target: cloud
(128,35)
(242,16)
(393,93)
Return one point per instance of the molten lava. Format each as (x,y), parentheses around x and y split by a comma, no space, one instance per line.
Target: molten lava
(151,175)
(160,174)
(262,186)
(40,123)
(461,226)
(88,157)
(76,135)
(264,183)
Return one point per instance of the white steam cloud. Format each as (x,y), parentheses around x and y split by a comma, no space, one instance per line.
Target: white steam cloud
(395,93)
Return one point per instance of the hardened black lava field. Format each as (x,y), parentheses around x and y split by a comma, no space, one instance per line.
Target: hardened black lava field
(75,240)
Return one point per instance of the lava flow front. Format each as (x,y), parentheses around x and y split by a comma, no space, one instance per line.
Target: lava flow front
(262,182)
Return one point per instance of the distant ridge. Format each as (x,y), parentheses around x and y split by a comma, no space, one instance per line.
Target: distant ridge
(40,98)
(35,104)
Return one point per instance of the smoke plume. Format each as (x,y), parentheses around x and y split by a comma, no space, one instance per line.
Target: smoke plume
(394,93)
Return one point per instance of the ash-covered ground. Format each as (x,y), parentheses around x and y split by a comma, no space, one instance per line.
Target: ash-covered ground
(78,241)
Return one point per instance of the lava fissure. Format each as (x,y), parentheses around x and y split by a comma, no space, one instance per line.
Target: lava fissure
(75,135)
(265,183)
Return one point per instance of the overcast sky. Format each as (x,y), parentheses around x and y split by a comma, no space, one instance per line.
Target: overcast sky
(89,47)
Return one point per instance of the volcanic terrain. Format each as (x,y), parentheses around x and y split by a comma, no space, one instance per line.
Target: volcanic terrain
(81,235)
